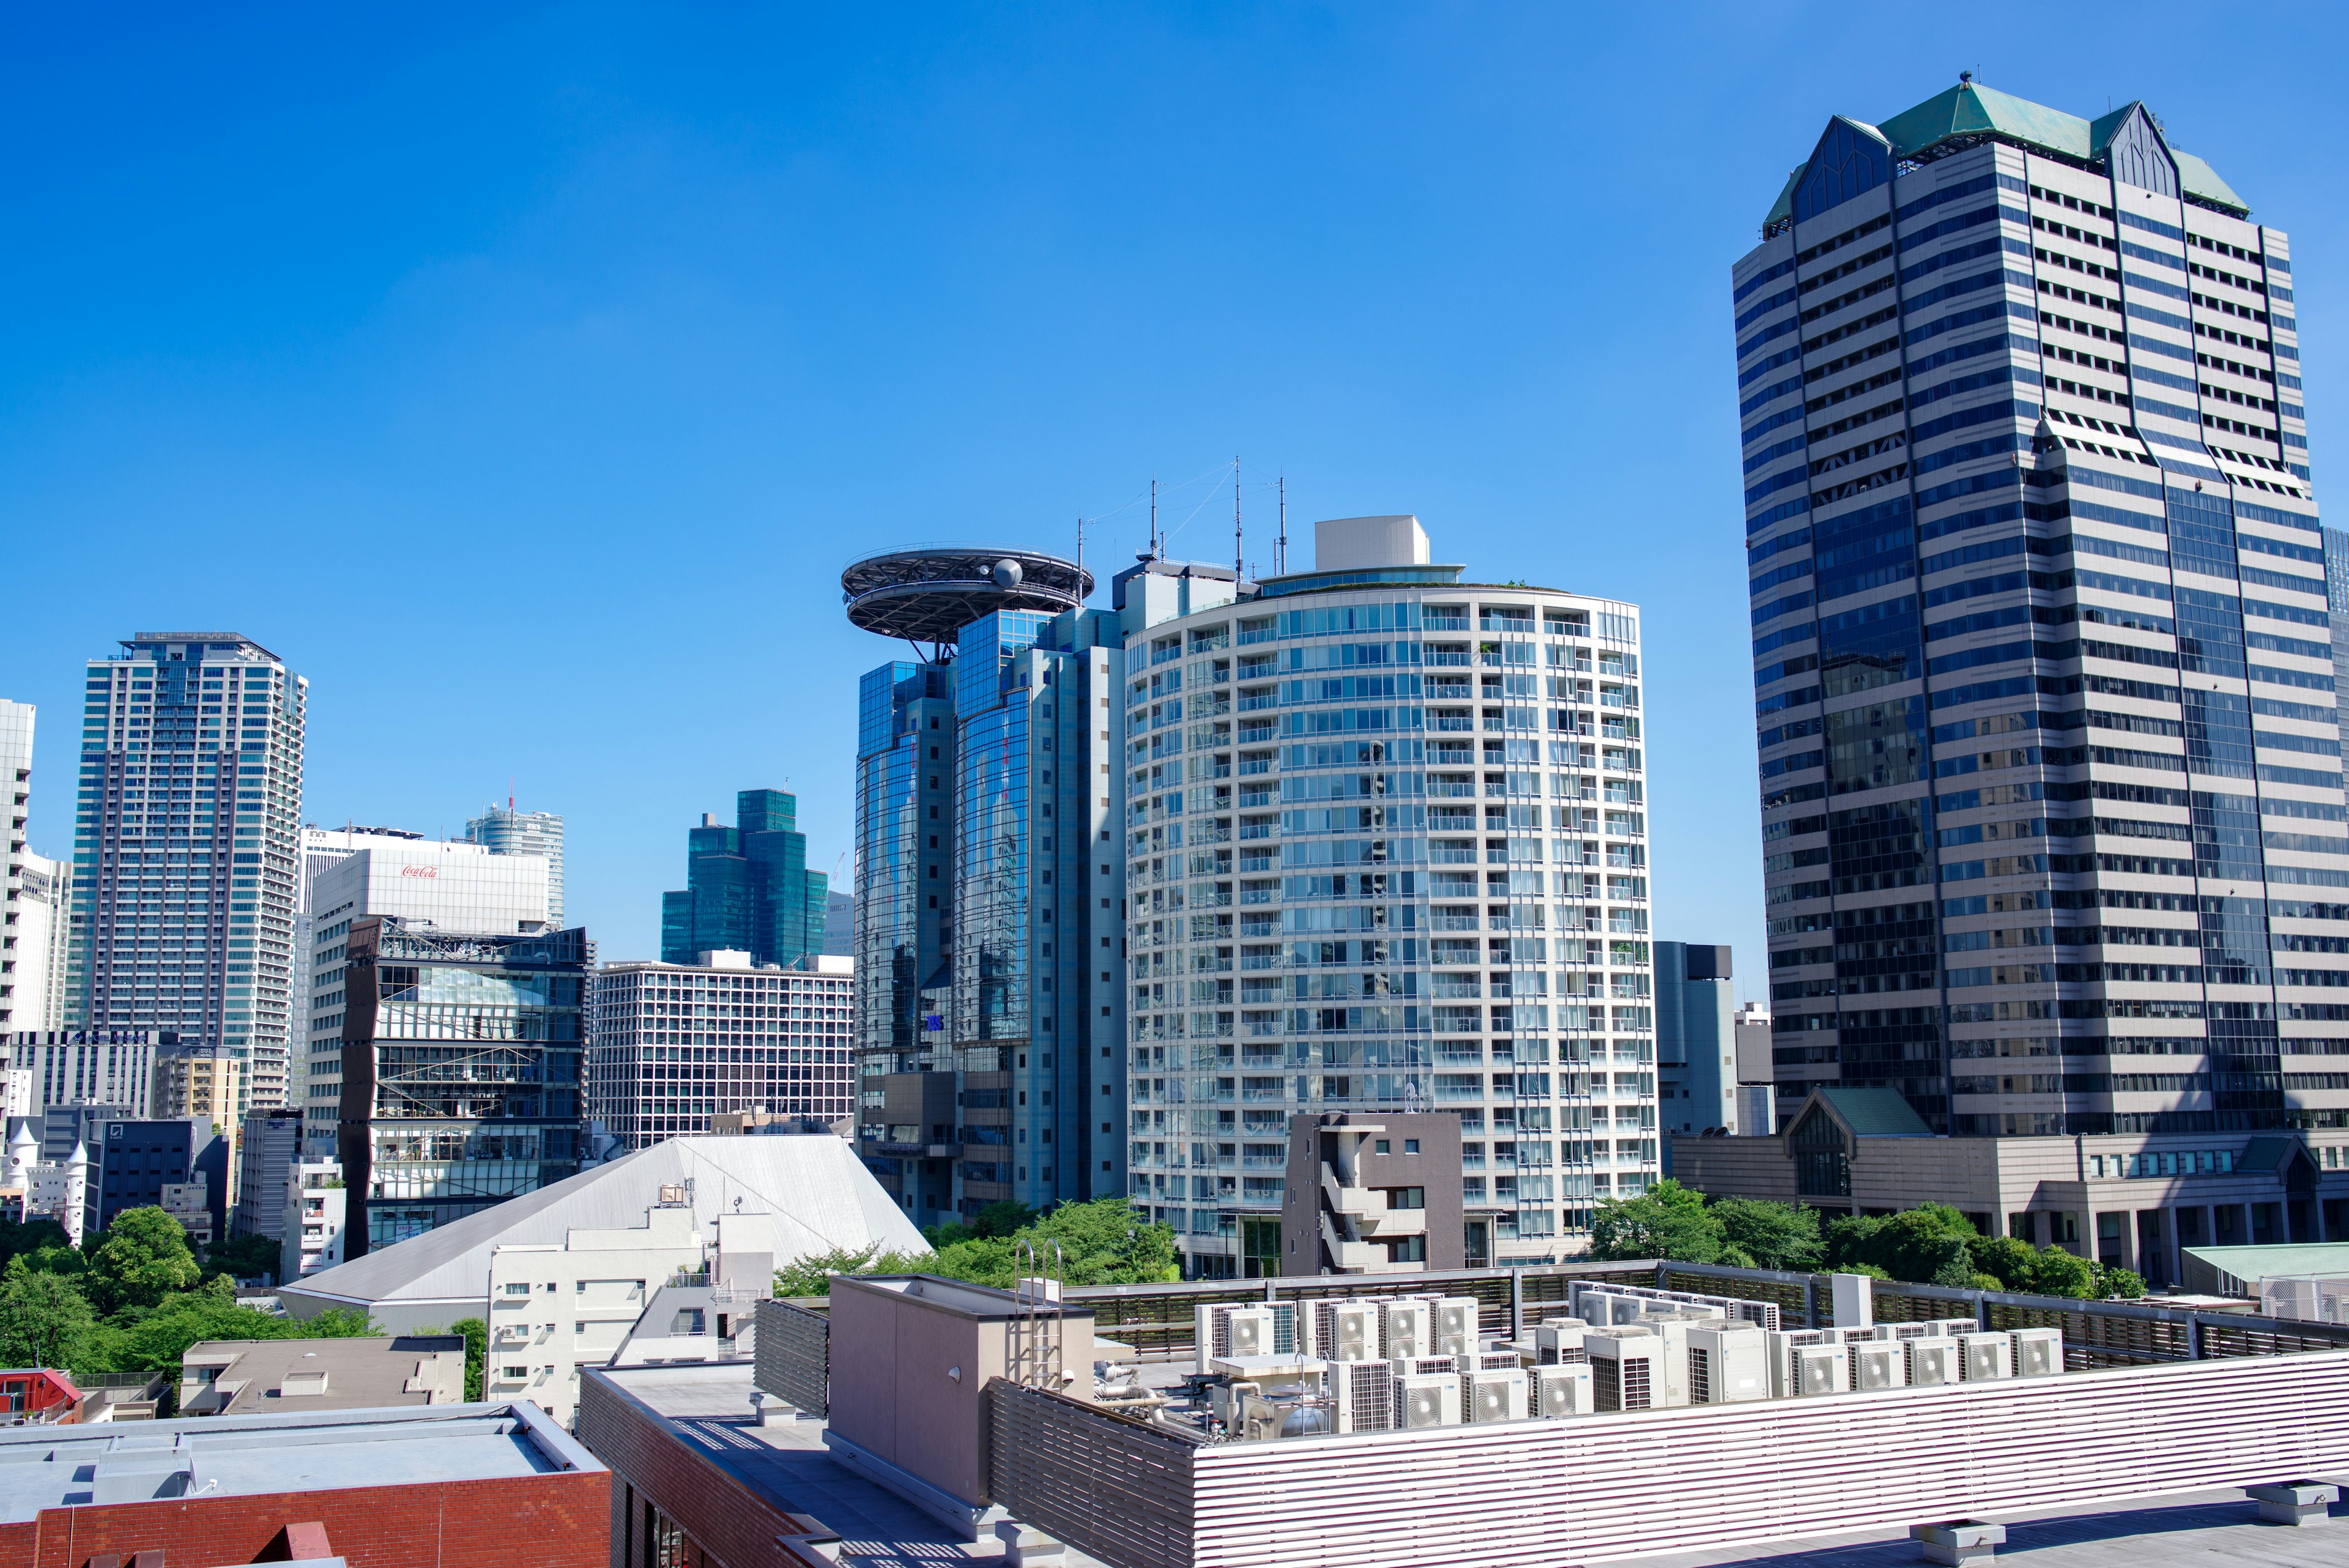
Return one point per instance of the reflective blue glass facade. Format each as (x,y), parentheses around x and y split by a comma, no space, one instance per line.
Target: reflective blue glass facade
(748,887)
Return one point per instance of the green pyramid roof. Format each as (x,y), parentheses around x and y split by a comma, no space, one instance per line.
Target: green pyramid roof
(1971,108)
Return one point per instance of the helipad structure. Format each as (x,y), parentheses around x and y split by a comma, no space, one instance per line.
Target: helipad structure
(930,593)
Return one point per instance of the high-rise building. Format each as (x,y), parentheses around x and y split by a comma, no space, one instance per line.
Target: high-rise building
(268,1147)
(748,887)
(1386,845)
(671,1045)
(461,1058)
(2044,651)
(184,847)
(321,848)
(505,831)
(44,910)
(78,1066)
(196,1081)
(430,885)
(1696,1040)
(987,891)
(22,982)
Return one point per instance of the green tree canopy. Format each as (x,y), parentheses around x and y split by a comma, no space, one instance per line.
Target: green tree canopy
(1668,1220)
(44,1319)
(1766,1235)
(143,1258)
(242,1257)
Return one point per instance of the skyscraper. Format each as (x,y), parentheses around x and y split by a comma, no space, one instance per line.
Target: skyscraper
(24,927)
(748,887)
(987,894)
(184,846)
(1385,840)
(506,831)
(2044,656)
(1696,1040)
(353,873)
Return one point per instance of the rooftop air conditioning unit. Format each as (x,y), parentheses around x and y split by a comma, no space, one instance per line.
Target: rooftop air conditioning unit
(1727,1365)
(1455,1326)
(1928,1328)
(1427,1401)
(1346,1331)
(1242,1328)
(1814,1369)
(1562,1390)
(1985,1357)
(1493,1395)
(1627,1369)
(2038,1352)
(1409,1329)
(1250,1332)
(1878,1364)
(1488,1361)
(1558,1345)
(1425,1365)
(1932,1360)
(1361,1396)
(1780,1348)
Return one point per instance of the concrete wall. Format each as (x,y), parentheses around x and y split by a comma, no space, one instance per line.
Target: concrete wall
(911,1356)
(1434,1168)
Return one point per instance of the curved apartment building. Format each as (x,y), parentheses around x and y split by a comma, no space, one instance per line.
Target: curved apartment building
(1385,848)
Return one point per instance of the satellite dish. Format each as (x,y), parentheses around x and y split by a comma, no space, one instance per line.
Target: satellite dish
(1007,574)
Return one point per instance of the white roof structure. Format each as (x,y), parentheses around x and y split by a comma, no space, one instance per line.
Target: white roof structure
(818,1195)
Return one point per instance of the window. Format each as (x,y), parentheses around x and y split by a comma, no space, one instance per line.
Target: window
(1411,1145)
(1381,1147)
(1406,1196)
(517,1288)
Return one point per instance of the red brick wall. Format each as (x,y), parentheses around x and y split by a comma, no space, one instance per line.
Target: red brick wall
(530,1521)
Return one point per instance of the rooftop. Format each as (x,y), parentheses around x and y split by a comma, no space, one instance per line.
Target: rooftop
(246,1456)
(710,1408)
(819,1195)
(246,1376)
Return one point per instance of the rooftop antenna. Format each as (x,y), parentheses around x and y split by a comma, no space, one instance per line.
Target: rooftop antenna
(1280,550)
(1239,569)
(1081,549)
(1157,549)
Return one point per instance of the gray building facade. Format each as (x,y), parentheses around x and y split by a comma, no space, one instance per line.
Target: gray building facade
(1696,1040)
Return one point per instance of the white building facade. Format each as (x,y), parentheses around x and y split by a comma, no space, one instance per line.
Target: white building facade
(671,1045)
(1386,848)
(457,888)
(505,831)
(314,1213)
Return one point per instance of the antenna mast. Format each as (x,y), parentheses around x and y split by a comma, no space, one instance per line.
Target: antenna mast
(1154,517)
(1281,551)
(1237,571)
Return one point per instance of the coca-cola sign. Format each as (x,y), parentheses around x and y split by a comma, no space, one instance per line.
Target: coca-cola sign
(420,871)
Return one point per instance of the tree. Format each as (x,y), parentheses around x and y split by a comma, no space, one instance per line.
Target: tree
(2119,1284)
(143,1258)
(1668,1220)
(1004,1217)
(242,1257)
(812,1275)
(2056,1273)
(1770,1235)
(44,1319)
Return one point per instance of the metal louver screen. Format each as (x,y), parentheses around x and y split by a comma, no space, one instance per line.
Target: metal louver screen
(1700,1375)
(1605,1384)
(1636,1395)
(792,1360)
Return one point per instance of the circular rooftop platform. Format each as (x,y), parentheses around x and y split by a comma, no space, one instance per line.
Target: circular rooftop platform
(930,593)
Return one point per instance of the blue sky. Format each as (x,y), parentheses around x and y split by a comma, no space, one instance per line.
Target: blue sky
(525,377)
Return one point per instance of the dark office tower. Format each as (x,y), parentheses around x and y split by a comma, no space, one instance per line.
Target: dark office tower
(748,887)
(2044,656)
(987,897)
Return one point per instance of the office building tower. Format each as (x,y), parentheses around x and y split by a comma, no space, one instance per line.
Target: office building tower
(986,893)
(81,1125)
(461,1070)
(505,831)
(268,1146)
(133,1162)
(2336,603)
(1696,1040)
(748,887)
(320,847)
(432,886)
(2044,656)
(670,1045)
(44,910)
(196,1081)
(184,847)
(23,974)
(1386,847)
(79,1066)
